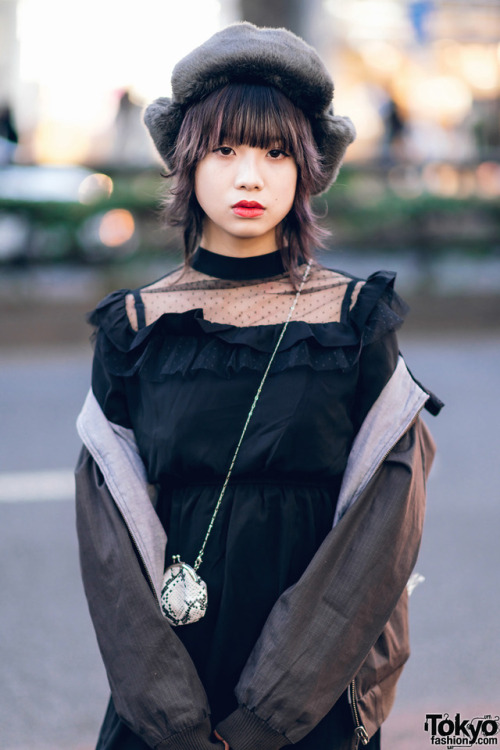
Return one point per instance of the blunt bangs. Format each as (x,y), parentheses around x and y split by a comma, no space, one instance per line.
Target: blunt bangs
(257,116)
(244,114)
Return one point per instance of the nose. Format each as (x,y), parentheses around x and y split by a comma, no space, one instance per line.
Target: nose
(248,173)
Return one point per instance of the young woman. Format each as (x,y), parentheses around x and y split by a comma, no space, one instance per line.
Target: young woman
(250,415)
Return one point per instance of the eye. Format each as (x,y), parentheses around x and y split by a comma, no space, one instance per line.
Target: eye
(277,153)
(224,150)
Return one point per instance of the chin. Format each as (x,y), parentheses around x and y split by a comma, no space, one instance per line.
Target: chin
(251,233)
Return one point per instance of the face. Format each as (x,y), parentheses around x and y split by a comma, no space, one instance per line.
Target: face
(245,192)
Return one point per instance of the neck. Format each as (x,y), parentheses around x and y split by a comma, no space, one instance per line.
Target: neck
(238,247)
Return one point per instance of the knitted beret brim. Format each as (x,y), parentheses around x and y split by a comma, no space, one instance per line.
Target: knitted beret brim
(244,53)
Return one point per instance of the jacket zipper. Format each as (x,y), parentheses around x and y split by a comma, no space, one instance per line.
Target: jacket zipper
(360,733)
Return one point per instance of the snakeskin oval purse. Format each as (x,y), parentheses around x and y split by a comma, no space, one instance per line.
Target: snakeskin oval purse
(183,595)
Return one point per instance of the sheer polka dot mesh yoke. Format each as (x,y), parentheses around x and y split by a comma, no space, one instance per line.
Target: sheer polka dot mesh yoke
(325,298)
(193,320)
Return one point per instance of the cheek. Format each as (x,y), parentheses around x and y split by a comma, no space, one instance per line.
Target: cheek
(291,177)
(205,181)
(284,190)
(199,184)
(291,186)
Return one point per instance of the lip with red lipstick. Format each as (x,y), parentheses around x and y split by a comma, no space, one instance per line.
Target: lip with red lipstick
(248,209)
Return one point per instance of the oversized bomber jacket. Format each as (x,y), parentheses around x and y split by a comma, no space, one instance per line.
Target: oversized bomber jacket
(343,624)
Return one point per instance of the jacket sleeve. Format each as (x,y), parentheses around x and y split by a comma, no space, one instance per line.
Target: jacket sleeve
(156,689)
(322,628)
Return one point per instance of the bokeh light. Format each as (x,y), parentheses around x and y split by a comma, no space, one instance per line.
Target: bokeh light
(445,99)
(94,188)
(488,179)
(441,179)
(480,67)
(382,56)
(116,227)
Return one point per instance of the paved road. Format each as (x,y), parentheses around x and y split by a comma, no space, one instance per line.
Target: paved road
(53,689)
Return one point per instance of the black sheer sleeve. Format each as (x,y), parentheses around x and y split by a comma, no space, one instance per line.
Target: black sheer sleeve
(378,313)
(108,387)
(376,365)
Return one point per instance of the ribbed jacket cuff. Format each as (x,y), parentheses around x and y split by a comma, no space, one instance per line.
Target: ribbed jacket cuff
(243,730)
(196,738)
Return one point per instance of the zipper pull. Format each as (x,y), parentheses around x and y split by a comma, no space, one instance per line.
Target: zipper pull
(362,735)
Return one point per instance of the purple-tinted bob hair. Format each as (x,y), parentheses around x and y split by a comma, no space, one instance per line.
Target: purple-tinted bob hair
(258,116)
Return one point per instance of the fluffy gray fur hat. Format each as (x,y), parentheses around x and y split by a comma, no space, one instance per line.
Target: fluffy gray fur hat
(244,53)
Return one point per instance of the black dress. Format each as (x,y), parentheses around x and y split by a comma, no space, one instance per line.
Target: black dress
(185,385)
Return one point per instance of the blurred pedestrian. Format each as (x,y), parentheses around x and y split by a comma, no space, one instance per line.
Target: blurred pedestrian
(8,135)
(395,131)
(129,143)
(251,427)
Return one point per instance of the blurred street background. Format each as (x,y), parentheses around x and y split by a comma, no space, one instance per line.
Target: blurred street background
(80,193)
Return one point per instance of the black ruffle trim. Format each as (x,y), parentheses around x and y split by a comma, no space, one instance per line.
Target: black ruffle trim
(178,343)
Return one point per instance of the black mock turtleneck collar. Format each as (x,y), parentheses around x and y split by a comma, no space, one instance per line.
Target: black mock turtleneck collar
(237,269)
